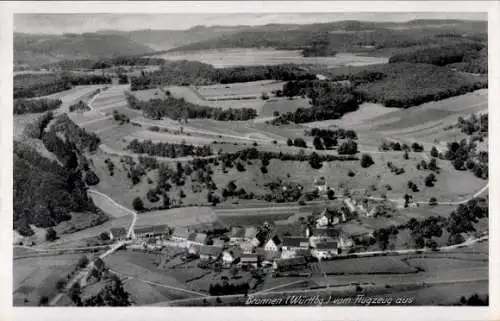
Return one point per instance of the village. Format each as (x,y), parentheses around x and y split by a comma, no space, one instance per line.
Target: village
(275,250)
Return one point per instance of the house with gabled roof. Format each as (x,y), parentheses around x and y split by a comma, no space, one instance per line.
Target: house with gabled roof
(325,250)
(294,246)
(249,259)
(236,235)
(117,233)
(273,244)
(157,231)
(210,253)
(181,233)
(290,264)
(197,239)
(229,256)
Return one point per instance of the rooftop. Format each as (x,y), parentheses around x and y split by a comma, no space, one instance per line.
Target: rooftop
(213,251)
(118,231)
(294,241)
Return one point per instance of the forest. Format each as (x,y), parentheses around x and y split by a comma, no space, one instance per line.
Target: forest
(23,106)
(407,84)
(441,55)
(179,109)
(196,73)
(33,85)
(328,100)
(46,193)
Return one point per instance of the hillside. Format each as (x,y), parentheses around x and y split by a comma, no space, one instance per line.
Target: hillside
(37,50)
(168,39)
(349,35)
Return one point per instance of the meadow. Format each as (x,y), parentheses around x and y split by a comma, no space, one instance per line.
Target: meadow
(251,56)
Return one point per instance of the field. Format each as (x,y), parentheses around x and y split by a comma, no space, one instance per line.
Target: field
(368,265)
(37,277)
(247,57)
(248,89)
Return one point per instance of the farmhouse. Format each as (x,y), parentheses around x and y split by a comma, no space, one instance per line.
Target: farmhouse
(117,233)
(325,250)
(210,253)
(247,247)
(219,243)
(193,250)
(249,259)
(181,234)
(229,256)
(294,246)
(157,232)
(273,245)
(329,218)
(197,239)
(320,185)
(290,264)
(267,257)
(350,205)
(325,235)
(236,235)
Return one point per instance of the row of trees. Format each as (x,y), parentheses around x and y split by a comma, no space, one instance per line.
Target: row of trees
(338,133)
(24,106)
(79,107)
(167,149)
(180,109)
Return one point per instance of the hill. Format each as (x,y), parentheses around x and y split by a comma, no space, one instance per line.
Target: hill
(168,39)
(349,35)
(36,50)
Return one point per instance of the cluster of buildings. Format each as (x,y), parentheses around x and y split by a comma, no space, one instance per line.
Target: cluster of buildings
(249,246)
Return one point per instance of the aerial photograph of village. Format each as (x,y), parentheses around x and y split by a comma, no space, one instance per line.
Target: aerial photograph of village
(329,159)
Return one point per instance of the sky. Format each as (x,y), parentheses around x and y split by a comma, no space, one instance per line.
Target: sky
(80,23)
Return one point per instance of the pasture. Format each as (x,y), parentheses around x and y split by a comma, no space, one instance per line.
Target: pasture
(366,265)
(37,277)
(247,89)
(221,58)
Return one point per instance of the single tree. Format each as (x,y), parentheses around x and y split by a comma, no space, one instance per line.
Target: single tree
(138,204)
(50,235)
(366,161)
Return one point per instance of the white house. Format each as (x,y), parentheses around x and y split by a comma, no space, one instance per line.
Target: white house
(321,185)
(229,256)
(324,251)
(236,235)
(294,246)
(197,239)
(117,233)
(273,245)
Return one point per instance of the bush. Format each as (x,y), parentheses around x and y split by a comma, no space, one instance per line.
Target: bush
(430,179)
(351,173)
(434,152)
(138,204)
(433,201)
(91,178)
(50,235)
(348,148)
(366,161)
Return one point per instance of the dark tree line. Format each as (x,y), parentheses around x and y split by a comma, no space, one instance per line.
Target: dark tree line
(24,106)
(180,109)
(29,85)
(45,193)
(79,106)
(440,55)
(167,149)
(185,72)
(328,101)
